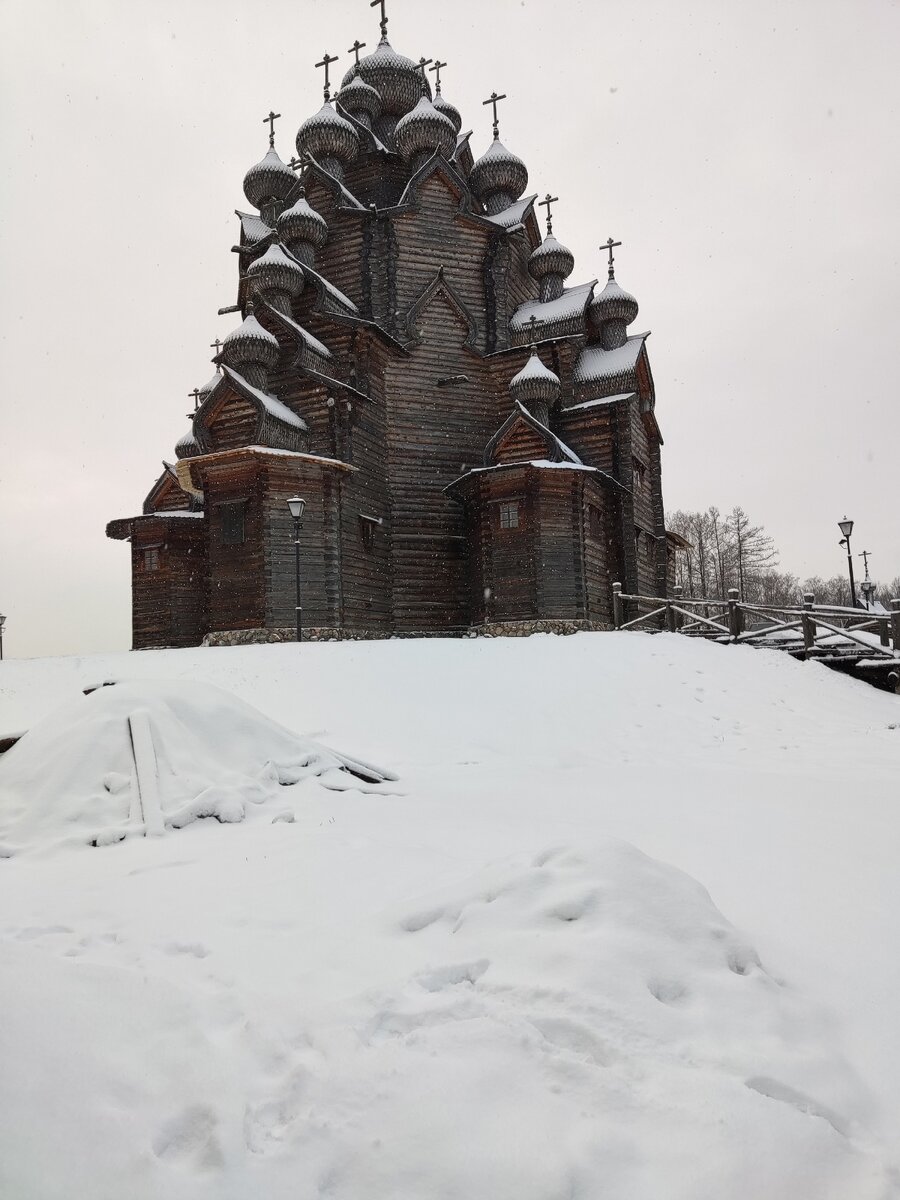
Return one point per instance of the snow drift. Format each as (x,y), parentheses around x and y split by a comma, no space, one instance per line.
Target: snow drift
(144,757)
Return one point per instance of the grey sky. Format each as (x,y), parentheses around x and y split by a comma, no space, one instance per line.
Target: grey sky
(746,154)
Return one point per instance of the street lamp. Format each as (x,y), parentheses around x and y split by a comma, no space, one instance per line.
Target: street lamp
(846,528)
(2,624)
(297,505)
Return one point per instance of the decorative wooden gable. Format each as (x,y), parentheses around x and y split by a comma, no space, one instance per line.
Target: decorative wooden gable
(522,438)
(237,414)
(167,494)
(439,291)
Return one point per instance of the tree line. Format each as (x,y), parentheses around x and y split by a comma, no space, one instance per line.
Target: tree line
(729,551)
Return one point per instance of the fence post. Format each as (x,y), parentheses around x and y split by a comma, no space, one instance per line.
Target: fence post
(809,625)
(618,606)
(679,592)
(735,616)
(895,624)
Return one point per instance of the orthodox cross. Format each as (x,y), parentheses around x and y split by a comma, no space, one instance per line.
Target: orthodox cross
(423,63)
(216,345)
(609,245)
(296,163)
(195,396)
(384,19)
(865,555)
(270,121)
(355,49)
(437,70)
(494,99)
(532,325)
(545,203)
(326,63)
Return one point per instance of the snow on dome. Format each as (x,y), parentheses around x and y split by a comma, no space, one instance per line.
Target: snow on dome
(301,223)
(535,383)
(329,138)
(208,387)
(360,99)
(187,445)
(397,79)
(143,758)
(250,343)
(613,303)
(269,179)
(551,258)
(498,178)
(275,271)
(423,131)
(448,110)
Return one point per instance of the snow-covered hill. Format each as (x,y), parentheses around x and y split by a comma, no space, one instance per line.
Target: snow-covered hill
(626,925)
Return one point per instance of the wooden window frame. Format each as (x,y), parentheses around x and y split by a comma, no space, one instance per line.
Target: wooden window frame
(232,510)
(506,510)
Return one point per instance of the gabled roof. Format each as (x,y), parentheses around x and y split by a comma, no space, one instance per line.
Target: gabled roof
(599,366)
(557,450)
(334,184)
(565,315)
(166,484)
(277,426)
(268,403)
(516,214)
(310,342)
(253,227)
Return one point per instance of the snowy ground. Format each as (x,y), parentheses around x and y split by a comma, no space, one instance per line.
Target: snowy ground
(476,983)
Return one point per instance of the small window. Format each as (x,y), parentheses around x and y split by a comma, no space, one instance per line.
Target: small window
(638,474)
(232,516)
(509,515)
(151,559)
(595,522)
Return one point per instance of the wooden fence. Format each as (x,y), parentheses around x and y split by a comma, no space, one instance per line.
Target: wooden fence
(809,630)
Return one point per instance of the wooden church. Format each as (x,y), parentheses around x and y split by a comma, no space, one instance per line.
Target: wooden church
(475,438)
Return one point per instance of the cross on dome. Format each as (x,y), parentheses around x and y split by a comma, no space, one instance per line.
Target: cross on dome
(437,70)
(384,19)
(270,121)
(495,99)
(326,62)
(216,345)
(355,49)
(532,329)
(545,203)
(423,63)
(609,245)
(195,396)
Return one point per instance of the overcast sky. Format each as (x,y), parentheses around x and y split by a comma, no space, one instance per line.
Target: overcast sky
(746,153)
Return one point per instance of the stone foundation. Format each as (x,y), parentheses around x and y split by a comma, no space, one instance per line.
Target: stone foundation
(259,636)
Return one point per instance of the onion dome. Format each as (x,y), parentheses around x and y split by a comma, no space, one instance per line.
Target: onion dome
(330,139)
(251,351)
(303,230)
(270,179)
(360,99)
(612,311)
(448,110)
(551,264)
(422,132)
(277,277)
(398,80)
(499,178)
(187,446)
(536,387)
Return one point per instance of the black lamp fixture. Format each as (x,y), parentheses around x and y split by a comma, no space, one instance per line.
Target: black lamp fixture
(846,528)
(297,504)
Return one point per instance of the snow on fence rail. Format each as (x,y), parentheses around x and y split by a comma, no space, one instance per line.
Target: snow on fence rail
(816,630)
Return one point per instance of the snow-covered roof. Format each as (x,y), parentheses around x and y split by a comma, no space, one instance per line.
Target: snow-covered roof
(250,328)
(564,450)
(534,369)
(253,226)
(601,401)
(271,404)
(594,363)
(334,293)
(570,306)
(311,343)
(515,214)
(167,513)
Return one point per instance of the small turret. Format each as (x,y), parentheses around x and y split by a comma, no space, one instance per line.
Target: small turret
(330,139)
(303,230)
(423,132)
(277,278)
(251,351)
(536,387)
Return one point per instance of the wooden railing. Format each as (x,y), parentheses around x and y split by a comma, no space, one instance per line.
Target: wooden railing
(814,629)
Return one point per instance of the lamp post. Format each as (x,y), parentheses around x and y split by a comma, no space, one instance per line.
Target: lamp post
(296,506)
(2,624)
(846,528)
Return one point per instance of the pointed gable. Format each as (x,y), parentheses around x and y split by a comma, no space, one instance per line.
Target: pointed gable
(521,438)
